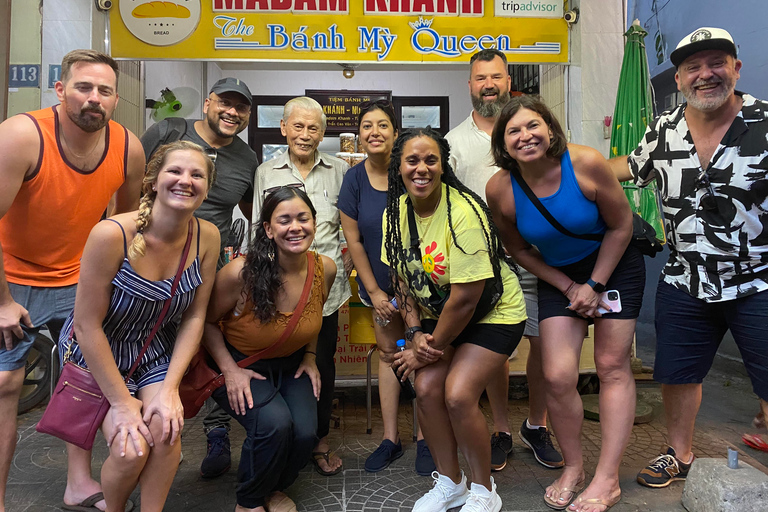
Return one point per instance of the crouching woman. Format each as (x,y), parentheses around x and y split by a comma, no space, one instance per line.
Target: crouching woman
(252,304)
(127,273)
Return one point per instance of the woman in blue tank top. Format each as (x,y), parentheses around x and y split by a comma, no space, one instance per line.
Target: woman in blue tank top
(576,186)
(128,267)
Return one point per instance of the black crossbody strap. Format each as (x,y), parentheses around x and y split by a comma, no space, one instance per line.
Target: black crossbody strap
(414,234)
(543,210)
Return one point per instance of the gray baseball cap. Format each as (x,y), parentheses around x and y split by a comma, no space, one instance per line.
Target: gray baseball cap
(230,84)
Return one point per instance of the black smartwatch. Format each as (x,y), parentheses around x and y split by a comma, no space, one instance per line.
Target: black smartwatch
(598,287)
(411,332)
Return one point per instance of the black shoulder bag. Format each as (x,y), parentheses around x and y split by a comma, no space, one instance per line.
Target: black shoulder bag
(492,292)
(643,234)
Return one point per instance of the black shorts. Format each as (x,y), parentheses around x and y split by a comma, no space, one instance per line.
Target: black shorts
(628,278)
(499,338)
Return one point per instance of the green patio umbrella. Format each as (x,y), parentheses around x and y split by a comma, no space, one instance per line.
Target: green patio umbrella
(634,110)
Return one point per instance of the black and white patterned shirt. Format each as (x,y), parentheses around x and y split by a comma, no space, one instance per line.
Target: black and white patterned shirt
(716,254)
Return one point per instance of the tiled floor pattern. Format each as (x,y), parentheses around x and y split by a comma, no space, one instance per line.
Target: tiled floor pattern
(38,473)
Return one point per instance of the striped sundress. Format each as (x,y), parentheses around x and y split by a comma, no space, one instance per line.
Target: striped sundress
(135,304)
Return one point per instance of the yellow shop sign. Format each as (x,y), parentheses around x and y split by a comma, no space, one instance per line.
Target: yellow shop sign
(395,31)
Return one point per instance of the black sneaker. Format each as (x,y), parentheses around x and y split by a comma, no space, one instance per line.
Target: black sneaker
(501,447)
(663,470)
(425,465)
(218,459)
(385,454)
(540,442)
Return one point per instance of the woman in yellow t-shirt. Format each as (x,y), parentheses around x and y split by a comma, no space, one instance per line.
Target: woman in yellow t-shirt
(442,279)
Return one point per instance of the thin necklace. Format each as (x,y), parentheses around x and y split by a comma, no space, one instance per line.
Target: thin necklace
(71,150)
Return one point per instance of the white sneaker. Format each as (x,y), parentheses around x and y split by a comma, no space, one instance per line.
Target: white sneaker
(444,495)
(481,499)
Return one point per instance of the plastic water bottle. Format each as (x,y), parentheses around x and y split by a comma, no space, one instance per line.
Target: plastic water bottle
(383,322)
(406,387)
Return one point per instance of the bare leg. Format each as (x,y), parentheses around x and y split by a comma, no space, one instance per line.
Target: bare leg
(760,419)
(120,474)
(613,341)
(434,419)
(10,390)
(537,397)
(469,373)
(80,483)
(681,405)
(163,461)
(389,388)
(561,341)
(238,508)
(498,397)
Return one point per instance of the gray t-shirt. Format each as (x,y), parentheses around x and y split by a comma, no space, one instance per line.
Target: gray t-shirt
(235,170)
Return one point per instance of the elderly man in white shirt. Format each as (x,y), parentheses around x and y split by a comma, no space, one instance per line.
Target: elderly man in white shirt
(320,175)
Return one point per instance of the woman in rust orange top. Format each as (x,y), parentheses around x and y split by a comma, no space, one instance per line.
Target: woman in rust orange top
(253,300)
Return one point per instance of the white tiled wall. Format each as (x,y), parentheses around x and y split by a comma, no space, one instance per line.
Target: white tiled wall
(597,45)
(67,26)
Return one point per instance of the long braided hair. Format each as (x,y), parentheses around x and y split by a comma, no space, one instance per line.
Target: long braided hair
(397,253)
(156,163)
(262,276)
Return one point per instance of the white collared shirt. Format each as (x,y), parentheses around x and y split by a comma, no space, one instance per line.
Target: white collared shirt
(471,158)
(322,185)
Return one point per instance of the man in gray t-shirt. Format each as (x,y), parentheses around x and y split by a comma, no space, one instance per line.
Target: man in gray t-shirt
(227,111)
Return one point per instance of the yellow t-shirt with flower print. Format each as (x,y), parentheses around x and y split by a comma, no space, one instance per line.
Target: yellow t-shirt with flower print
(444,262)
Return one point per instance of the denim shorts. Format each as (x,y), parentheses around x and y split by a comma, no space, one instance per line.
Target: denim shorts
(47,307)
(689,331)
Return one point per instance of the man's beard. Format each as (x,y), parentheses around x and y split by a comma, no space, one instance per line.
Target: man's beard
(712,103)
(213,124)
(85,122)
(490,108)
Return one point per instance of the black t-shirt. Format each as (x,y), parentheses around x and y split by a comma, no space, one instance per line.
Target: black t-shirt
(235,170)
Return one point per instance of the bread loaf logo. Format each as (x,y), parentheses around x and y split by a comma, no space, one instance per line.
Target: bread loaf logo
(160,23)
(161,10)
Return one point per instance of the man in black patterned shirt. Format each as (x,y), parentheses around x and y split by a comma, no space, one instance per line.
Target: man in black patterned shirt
(709,157)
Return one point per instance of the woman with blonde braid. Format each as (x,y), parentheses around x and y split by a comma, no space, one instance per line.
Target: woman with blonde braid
(128,268)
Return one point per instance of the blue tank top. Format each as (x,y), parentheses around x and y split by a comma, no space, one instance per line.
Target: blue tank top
(571,209)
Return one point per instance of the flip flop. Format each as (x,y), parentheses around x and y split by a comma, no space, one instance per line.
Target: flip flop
(326,455)
(755,442)
(597,501)
(555,503)
(89,504)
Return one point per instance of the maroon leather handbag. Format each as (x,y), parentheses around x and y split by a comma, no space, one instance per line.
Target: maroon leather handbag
(200,380)
(78,407)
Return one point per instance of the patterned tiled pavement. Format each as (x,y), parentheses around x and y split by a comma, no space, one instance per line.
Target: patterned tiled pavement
(38,473)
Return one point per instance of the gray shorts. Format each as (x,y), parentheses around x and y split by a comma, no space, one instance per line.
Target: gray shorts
(47,307)
(529,284)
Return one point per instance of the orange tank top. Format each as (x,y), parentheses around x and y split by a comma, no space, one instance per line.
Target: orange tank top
(248,335)
(45,229)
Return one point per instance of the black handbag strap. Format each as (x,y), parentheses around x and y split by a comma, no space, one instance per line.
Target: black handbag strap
(414,234)
(515,173)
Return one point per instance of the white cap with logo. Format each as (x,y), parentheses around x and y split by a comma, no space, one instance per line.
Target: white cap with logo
(704,38)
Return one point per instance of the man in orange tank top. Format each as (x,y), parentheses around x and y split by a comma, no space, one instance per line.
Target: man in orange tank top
(60,169)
